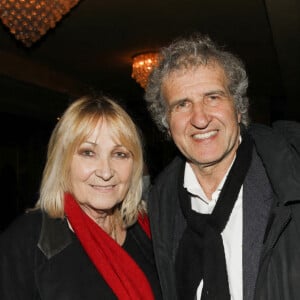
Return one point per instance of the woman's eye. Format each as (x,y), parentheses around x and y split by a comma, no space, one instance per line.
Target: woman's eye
(86,152)
(121,154)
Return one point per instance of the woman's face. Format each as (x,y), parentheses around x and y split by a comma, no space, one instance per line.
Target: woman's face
(101,171)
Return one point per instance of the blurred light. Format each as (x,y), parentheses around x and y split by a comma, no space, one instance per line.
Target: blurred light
(142,65)
(29,20)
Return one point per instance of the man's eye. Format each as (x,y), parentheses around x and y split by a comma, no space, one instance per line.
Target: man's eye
(212,100)
(182,106)
(183,103)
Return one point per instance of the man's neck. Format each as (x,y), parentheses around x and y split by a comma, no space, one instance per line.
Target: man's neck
(210,176)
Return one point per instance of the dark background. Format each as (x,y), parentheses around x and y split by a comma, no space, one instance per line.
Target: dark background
(91,49)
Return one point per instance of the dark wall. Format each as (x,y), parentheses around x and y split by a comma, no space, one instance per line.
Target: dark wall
(22,155)
(27,117)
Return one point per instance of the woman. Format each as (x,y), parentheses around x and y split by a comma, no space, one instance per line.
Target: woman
(88,236)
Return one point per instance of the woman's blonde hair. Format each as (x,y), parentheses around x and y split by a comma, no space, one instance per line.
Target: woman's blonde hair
(76,124)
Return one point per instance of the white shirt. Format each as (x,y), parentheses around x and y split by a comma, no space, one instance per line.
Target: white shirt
(231,235)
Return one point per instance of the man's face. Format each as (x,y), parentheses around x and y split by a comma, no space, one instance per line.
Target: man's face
(202,118)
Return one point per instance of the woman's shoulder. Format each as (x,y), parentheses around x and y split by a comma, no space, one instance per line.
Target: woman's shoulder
(24,227)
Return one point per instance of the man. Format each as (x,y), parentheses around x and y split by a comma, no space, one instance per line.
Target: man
(225,216)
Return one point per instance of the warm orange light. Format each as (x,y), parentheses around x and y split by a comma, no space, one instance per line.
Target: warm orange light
(142,66)
(29,20)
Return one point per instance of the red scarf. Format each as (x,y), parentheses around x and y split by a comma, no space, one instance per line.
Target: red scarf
(118,269)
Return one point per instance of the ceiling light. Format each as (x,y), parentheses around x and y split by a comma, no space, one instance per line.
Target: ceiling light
(29,20)
(142,65)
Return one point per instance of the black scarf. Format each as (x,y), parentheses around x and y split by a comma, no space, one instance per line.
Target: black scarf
(201,253)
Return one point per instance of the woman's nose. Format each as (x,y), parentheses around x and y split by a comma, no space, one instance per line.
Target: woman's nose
(104,170)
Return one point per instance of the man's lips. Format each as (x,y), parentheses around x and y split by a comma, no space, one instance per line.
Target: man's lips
(205,135)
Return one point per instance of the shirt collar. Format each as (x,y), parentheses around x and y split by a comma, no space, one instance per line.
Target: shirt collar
(194,188)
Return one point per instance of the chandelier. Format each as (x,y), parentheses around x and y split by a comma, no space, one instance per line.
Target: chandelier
(29,20)
(142,65)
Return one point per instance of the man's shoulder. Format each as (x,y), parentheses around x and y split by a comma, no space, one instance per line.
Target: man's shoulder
(277,140)
(281,129)
(279,147)
(163,194)
(170,171)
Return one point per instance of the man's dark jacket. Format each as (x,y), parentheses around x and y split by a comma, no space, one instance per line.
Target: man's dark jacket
(271,217)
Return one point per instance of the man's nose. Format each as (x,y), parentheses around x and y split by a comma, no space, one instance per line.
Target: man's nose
(200,116)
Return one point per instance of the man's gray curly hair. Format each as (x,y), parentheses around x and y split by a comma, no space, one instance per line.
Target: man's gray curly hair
(187,53)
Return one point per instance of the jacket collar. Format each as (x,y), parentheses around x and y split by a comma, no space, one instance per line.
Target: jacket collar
(281,161)
(55,236)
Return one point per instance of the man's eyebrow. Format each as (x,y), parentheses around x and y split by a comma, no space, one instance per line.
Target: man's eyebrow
(219,92)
